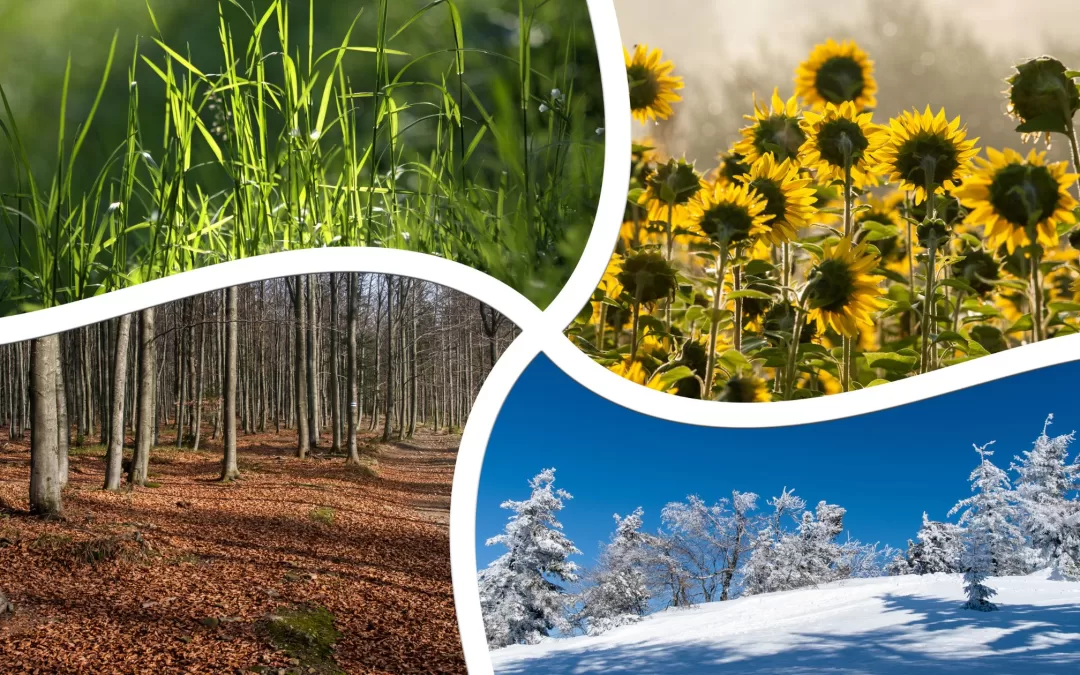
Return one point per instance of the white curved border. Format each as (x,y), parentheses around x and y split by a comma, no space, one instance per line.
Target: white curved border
(272,266)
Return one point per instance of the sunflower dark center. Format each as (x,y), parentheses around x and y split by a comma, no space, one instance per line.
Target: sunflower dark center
(840,79)
(644,87)
(647,277)
(780,135)
(727,224)
(1024,194)
(733,166)
(978,269)
(927,151)
(770,191)
(674,182)
(831,286)
(740,390)
(840,141)
(1042,93)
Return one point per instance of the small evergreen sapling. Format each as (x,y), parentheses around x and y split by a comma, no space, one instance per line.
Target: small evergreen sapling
(987,531)
(619,593)
(520,595)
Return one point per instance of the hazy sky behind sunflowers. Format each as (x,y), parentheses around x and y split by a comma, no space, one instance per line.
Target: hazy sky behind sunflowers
(951,53)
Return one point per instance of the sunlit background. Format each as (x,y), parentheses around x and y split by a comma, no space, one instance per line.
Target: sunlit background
(951,53)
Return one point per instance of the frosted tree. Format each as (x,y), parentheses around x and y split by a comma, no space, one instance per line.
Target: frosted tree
(619,590)
(990,507)
(763,572)
(1045,494)
(520,594)
(937,548)
(712,541)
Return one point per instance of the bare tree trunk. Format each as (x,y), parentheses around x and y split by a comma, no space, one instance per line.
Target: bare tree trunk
(388,407)
(63,427)
(335,385)
(351,368)
(147,412)
(229,468)
(303,443)
(45,498)
(114,454)
(314,426)
(197,426)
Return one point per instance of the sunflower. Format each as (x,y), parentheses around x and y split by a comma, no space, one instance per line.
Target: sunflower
(841,291)
(730,214)
(669,190)
(1019,201)
(1043,97)
(789,198)
(836,73)
(609,283)
(646,276)
(652,86)
(924,148)
(745,389)
(979,269)
(841,136)
(632,369)
(732,166)
(773,130)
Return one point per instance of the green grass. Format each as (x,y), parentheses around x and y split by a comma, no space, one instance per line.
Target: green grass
(322,514)
(276,148)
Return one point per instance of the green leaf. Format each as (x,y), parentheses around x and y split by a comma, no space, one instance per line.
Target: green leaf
(874,383)
(959,284)
(1056,307)
(749,293)
(1021,325)
(891,361)
(975,349)
(669,377)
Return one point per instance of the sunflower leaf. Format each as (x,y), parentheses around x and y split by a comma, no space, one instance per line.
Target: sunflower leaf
(1056,307)
(1023,324)
(749,293)
(664,381)
(959,284)
(891,361)
(1043,123)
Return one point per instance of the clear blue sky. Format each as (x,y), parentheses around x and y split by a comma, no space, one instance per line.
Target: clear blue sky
(886,467)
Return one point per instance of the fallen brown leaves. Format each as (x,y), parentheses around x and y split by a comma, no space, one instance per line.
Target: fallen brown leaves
(180,578)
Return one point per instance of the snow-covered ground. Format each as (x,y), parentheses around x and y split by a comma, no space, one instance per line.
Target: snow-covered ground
(890,625)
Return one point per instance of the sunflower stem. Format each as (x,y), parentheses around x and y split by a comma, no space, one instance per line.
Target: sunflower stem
(600,326)
(846,364)
(736,279)
(1036,294)
(793,354)
(670,242)
(714,324)
(928,306)
(1074,145)
(634,332)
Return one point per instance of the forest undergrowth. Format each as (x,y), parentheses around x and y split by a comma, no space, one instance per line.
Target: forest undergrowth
(198,576)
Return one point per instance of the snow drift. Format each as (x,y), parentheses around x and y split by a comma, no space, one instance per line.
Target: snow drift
(887,625)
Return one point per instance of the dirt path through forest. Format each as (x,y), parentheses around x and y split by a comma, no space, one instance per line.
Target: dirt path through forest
(186,576)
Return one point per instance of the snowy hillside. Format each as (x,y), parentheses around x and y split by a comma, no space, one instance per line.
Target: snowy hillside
(888,625)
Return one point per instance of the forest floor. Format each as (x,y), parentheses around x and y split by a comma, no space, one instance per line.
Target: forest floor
(300,566)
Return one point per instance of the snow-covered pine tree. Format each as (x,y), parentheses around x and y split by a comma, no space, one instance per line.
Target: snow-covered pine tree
(991,506)
(619,592)
(938,547)
(988,533)
(520,596)
(1045,488)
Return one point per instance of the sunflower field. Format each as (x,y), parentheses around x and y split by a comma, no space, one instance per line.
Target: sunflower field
(829,250)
